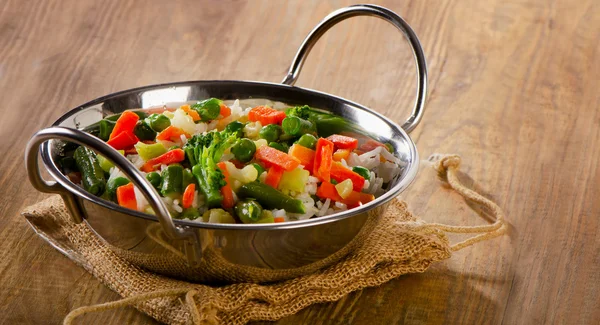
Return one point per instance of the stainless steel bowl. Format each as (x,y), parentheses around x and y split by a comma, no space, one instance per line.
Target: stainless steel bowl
(228,252)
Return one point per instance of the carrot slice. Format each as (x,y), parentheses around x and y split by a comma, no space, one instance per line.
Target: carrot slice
(304,154)
(123,140)
(274,176)
(226,191)
(323,159)
(171,157)
(266,115)
(225,111)
(339,172)
(192,113)
(343,142)
(172,133)
(328,191)
(188,196)
(126,196)
(340,154)
(279,219)
(125,123)
(273,157)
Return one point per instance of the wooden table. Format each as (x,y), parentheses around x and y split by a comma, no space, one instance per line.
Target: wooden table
(514,89)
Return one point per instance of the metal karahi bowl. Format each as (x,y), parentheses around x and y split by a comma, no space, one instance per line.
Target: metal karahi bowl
(201,251)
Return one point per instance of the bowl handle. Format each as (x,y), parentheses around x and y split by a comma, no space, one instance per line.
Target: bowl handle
(187,235)
(387,15)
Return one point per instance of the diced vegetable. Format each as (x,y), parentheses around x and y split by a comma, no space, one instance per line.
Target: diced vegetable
(270,132)
(340,173)
(266,217)
(190,213)
(217,216)
(271,156)
(283,147)
(188,196)
(274,176)
(172,181)
(244,150)
(249,211)
(235,127)
(296,126)
(354,199)
(304,154)
(344,188)
(123,140)
(158,122)
(113,184)
(155,179)
(362,171)
(308,141)
(125,123)
(259,168)
(149,151)
(192,113)
(92,175)
(188,178)
(340,154)
(171,157)
(143,131)
(208,109)
(226,191)
(323,159)
(225,110)
(126,196)
(343,142)
(294,180)
(105,129)
(271,198)
(266,115)
(172,133)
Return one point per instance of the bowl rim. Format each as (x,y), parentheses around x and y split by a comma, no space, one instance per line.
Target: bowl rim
(410,174)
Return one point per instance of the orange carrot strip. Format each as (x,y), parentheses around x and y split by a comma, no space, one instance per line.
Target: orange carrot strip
(123,140)
(188,196)
(171,157)
(343,142)
(323,159)
(266,115)
(304,154)
(126,122)
(226,191)
(192,113)
(274,176)
(225,111)
(340,173)
(172,133)
(126,196)
(274,157)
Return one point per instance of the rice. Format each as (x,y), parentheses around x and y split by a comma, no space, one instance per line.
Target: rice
(323,210)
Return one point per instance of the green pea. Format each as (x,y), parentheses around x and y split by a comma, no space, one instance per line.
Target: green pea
(244,150)
(155,179)
(296,126)
(280,146)
(235,127)
(158,122)
(270,132)
(248,211)
(208,109)
(362,171)
(308,141)
(143,131)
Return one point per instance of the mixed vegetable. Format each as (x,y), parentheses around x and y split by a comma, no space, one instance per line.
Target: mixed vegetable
(218,163)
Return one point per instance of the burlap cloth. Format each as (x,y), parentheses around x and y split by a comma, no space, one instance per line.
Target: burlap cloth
(399,244)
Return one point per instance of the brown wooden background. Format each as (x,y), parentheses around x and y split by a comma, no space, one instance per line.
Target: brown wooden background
(514,89)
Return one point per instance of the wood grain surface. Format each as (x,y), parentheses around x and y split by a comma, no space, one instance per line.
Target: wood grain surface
(514,89)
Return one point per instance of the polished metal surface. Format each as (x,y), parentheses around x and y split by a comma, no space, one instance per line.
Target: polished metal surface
(374,11)
(230,252)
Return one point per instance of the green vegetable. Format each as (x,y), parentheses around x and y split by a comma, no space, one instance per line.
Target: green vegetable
(266,217)
(149,151)
(172,184)
(155,179)
(204,151)
(294,180)
(208,109)
(113,184)
(295,126)
(92,175)
(236,127)
(249,211)
(217,216)
(143,131)
(270,132)
(106,164)
(362,171)
(326,123)
(281,146)
(244,150)
(190,213)
(115,117)
(259,168)
(188,178)
(271,198)
(158,122)
(68,163)
(307,140)
(106,127)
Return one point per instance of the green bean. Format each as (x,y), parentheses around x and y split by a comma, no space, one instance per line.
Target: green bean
(172,184)
(270,132)
(188,178)
(259,168)
(235,127)
(158,122)
(307,140)
(208,109)
(271,198)
(244,150)
(266,217)
(155,179)
(143,131)
(280,146)
(68,163)
(92,176)
(296,126)
(106,127)
(249,211)
(113,184)
(362,171)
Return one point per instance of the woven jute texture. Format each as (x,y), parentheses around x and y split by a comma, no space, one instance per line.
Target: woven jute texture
(398,244)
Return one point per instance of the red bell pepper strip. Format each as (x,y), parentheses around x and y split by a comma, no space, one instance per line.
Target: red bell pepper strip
(343,142)
(323,159)
(274,176)
(125,123)
(172,133)
(171,157)
(304,154)
(266,115)
(227,192)
(188,196)
(126,196)
(225,111)
(123,140)
(328,191)
(340,173)
(273,157)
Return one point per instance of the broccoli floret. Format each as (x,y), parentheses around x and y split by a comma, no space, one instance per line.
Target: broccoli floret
(204,152)
(302,112)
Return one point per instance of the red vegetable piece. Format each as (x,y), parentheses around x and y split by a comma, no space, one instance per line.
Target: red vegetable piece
(226,191)
(188,196)
(172,133)
(126,196)
(266,115)
(125,123)
(274,176)
(323,159)
(343,142)
(340,173)
(123,140)
(171,157)
(273,157)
